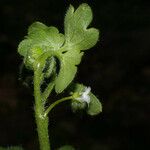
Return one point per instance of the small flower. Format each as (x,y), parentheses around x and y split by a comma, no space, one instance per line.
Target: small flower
(84,96)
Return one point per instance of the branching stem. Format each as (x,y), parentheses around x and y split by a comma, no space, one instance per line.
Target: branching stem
(42,122)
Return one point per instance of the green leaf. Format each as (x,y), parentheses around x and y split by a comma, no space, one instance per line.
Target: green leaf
(66,147)
(11,148)
(93,108)
(40,39)
(77,38)
(67,49)
(68,69)
(76,32)
(46,36)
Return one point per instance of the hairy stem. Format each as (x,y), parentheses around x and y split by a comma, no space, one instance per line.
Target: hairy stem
(42,122)
(47,91)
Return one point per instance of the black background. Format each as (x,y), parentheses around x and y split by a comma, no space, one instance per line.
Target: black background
(117,69)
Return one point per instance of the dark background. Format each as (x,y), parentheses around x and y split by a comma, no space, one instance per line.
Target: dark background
(117,69)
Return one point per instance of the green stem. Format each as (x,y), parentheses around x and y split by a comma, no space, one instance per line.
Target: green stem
(41,121)
(47,91)
(56,103)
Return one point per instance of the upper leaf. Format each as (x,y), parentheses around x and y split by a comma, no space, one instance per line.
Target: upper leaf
(40,39)
(76,33)
(77,38)
(46,36)
(44,42)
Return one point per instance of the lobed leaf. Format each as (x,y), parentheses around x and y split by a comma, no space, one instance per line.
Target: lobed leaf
(76,32)
(40,39)
(44,40)
(77,38)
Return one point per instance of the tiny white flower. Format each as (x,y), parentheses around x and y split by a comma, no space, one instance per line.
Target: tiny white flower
(85,95)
